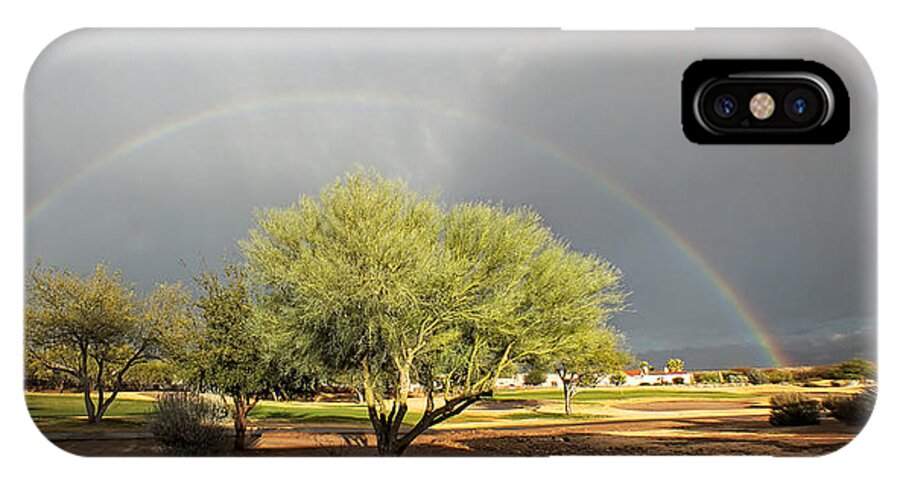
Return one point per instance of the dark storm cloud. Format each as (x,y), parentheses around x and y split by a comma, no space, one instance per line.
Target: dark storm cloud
(533,118)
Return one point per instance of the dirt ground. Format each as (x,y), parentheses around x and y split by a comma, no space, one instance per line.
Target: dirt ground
(748,435)
(640,426)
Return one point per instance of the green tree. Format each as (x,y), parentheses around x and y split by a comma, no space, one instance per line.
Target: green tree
(645,367)
(535,376)
(95,328)
(385,287)
(619,378)
(675,365)
(855,369)
(228,354)
(587,355)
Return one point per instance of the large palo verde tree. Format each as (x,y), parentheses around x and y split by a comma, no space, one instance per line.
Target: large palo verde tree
(391,290)
(95,328)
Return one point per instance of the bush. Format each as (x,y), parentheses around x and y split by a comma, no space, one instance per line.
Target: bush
(619,378)
(757,377)
(736,377)
(780,376)
(188,424)
(790,409)
(535,377)
(852,410)
(708,377)
(855,369)
(678,381)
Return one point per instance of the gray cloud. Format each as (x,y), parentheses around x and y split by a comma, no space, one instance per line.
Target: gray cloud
(534,118)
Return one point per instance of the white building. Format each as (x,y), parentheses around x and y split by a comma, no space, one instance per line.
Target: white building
(518,381)
(634,378)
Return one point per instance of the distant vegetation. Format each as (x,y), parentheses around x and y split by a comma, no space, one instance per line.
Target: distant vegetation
(854,370)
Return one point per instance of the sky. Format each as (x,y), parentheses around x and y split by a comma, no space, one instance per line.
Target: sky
(148,148)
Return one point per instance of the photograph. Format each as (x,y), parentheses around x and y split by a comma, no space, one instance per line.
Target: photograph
(449,242)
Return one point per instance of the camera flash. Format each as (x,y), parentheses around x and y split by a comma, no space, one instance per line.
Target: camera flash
(762,105)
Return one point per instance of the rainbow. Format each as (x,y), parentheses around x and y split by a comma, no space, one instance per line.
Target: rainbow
(265,104)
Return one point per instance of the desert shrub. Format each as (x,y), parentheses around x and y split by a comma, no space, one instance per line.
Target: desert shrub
(678,381)
(757,377)
(789,409)
(644,384)
(810,374)
(708,377)
(855,369)
(780,376)
(535,377)
(188,424)
(619,378)
(852,410)
(736,377)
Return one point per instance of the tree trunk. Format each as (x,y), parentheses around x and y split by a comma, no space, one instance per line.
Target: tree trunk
(88,403)
(240,423)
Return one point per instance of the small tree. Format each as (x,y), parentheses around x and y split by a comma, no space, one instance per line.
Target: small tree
(228,355)
(645,367)
(675,365)
(535,376)
(589,354)
(95,328)
(384,287)
(854,369)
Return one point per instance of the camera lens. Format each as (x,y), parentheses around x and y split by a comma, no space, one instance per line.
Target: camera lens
(801,105)
(725,105)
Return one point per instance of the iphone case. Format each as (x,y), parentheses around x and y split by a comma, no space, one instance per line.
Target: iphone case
(351,242)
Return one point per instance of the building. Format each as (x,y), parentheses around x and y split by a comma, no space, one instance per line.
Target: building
(634,378)
(518,381)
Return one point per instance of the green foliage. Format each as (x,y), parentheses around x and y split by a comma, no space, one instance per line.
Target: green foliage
(853,410)
(188,424)
(383,287)
(854,369)
(780,375)
(645,367)
(792,409)
(96,328)
(535,377)
(757,377)
(709,377)
(675,365)
(735,377)
(153,375)
(678,381)
(227,352)
(619,378)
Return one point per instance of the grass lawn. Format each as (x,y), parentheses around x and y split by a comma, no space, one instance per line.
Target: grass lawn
(307,412)
(65,412)
(70,404)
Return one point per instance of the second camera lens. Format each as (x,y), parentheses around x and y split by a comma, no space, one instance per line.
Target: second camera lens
(725,105)
(801,105)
